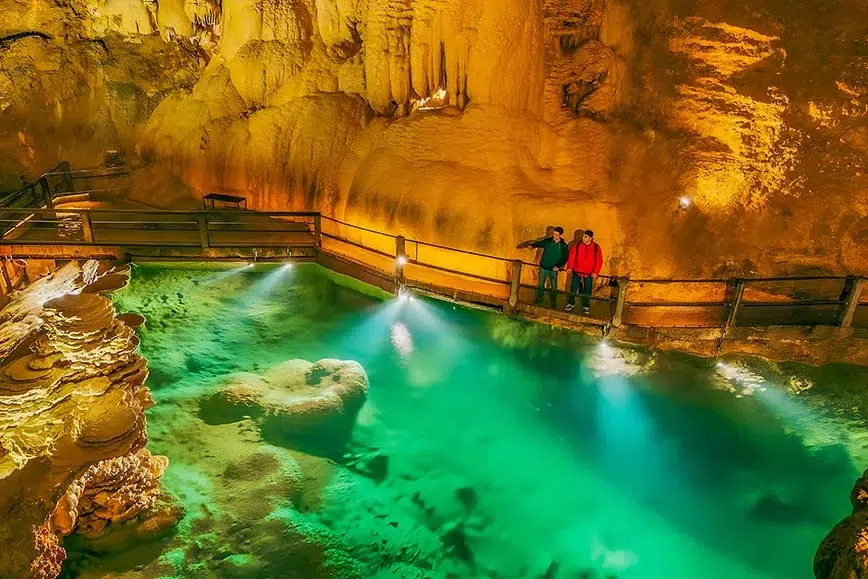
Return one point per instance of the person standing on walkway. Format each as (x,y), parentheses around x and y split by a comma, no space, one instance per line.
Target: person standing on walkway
(554,257)
(585,261)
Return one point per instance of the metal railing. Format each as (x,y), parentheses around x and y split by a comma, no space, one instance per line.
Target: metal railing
(470,276)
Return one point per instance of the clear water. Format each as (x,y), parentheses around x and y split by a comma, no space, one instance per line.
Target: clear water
(514,450)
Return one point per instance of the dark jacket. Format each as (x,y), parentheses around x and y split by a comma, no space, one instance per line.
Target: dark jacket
(586,260)
(554,254)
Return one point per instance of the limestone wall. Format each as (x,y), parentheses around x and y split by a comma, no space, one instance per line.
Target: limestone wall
(477,123)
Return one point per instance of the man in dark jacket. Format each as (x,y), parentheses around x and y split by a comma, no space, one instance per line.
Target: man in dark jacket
(585,261)
(554,257)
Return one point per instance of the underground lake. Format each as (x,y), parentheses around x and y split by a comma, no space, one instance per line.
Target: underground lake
(483,447)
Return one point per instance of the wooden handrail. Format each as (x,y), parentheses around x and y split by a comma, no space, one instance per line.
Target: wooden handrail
(92,234)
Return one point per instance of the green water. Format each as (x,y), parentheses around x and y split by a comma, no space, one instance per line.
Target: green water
(511,450)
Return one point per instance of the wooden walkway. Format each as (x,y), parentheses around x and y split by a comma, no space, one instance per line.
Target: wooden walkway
(393,262)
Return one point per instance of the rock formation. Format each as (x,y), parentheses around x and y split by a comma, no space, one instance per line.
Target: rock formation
(306,405)
(843,554)
(72,425)
(474,123)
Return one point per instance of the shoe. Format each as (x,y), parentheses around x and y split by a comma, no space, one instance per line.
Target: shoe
(586,311)
(569,307)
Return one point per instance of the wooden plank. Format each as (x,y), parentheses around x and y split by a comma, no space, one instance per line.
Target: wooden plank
(515,285)
(851,301)
(202,220)
(618,316)
(86,228)
(738,294)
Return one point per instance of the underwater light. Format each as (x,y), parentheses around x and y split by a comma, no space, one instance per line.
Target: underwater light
(288,265)
(402,260)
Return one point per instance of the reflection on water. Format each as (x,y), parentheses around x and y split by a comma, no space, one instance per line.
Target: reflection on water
(489,447)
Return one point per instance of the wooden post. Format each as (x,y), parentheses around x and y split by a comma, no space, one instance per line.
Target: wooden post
(203,230)
(515,283)
(7,277)
(737,295)
(68,183)
(46,192)
(617,317)
(317,230)
(400,261)
(87,227)
(853,293)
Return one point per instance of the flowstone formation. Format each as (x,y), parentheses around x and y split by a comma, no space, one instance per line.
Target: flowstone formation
(475,123)
(843,554)
(72,424)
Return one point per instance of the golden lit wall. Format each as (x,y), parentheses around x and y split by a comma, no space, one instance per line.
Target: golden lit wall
(475,123)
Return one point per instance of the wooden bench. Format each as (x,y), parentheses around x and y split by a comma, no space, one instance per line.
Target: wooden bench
(234,200)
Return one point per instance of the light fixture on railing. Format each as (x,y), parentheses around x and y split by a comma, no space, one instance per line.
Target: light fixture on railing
(684,202)
(401,260)
(404,294)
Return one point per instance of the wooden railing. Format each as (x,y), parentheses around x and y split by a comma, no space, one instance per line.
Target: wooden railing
(63,183)
(393,262)
(617,300)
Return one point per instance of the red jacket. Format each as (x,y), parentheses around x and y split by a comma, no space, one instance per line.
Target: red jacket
(585,259)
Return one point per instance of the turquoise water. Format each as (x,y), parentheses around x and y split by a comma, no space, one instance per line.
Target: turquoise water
(506,449)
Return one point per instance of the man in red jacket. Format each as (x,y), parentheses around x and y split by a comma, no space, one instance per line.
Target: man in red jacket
(585,261)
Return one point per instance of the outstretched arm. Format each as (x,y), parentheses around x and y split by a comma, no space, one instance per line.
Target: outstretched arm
(531,243)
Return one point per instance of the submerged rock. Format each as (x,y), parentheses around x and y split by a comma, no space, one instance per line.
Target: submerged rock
(297,403)
(267,476)
(467,497)
(843,554)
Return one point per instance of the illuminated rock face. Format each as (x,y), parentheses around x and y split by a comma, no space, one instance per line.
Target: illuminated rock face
(843,554)
(477,123)
(72,425)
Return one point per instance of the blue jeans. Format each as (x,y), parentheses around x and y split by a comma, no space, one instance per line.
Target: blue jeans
(583,283)
(552,276)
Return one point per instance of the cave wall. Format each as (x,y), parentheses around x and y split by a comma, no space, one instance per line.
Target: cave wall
(77,79)
(477,123)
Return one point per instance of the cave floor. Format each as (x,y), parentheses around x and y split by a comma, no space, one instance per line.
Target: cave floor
(488,447)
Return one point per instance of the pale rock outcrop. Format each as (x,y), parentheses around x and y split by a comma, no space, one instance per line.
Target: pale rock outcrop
(129,17)
(286,21)
(335,21)
(261,67)
(312,405)
(172,14)
(111,491)
(72,425)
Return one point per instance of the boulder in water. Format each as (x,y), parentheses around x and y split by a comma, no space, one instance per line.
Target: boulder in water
(310,406)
